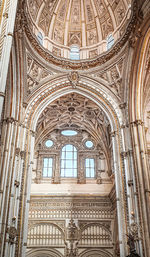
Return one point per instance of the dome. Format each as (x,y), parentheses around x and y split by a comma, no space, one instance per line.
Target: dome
(78,29)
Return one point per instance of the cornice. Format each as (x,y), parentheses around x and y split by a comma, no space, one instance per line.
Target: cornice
(83,64)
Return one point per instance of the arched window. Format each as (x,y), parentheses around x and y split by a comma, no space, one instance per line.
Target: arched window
(69,161)
(40,37)
(74,53)
(89,168)
(110,41)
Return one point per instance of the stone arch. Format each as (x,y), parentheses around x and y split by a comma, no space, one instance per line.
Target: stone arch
(45,95)
(138,102)
(142,66)
(44,253)
(35,230)
(103,234)
(95,253)
(57,88)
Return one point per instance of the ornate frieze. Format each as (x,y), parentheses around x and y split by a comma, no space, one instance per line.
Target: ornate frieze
(35,73)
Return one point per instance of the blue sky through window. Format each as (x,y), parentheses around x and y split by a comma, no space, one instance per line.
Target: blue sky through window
(69,161)
(47,167)
(89,167)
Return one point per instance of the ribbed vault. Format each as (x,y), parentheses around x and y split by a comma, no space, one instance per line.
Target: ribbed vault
(76,112)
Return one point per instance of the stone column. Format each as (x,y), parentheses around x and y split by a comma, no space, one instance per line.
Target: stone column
(142,179)
(124,155)
(119,180)
(6,36)
(27,192)
(6,173)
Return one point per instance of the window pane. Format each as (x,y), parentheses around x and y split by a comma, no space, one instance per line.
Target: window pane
(47,167)
(69,161)
(49,172)
(69,155)
(89,168)
(92,173)
(74,53)
(40,38)
(89,144)
(63,164)
(50,162)
(45,162)
(110,41)
(69,132)
(69,148)
(44,172)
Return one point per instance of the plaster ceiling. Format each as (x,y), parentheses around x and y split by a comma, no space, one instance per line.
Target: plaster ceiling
(86,23)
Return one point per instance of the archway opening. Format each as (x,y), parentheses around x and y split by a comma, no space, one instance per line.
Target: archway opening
(72,204)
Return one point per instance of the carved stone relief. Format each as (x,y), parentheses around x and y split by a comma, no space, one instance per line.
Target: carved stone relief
(70,110)
(101,7)
(93,53)
(66,227)
(44,20)
(75,18)
(89,11)
(92,37)
(120,12)
(107,28)
(58,35)
(34,6)
(75,38)
(35,73)
(56,51)
(62,10)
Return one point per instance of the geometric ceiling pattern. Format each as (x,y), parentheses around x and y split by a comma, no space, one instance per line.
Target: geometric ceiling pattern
(77,112)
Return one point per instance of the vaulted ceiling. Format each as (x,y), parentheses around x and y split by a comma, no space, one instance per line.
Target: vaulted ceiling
(86,23)
(75,111)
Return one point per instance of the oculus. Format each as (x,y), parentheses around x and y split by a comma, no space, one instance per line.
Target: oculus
(89,144)
(68,132)
(49,143)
